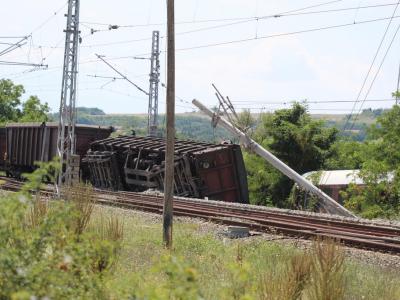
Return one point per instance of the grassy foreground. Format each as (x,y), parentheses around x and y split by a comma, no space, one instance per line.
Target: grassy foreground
(205,267)
(76,250)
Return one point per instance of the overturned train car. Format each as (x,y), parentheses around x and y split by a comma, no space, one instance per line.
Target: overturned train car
(202,170)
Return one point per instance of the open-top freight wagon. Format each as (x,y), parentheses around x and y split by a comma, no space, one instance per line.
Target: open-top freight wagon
(23,144)
(138,163)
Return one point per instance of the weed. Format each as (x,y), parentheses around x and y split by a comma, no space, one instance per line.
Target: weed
(37,212)
(110,230)
(290,283)
(327,271)
(82,200)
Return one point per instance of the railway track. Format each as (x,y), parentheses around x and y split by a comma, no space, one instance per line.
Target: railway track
(351,233)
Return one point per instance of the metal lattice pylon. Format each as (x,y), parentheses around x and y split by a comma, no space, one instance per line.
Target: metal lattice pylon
(67,120)
(152,121)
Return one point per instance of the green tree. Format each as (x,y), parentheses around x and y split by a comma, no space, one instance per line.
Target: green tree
(380,170)
(294,137)
(347,155)
(245,120)
(13,109)
(10,101)
(34,111)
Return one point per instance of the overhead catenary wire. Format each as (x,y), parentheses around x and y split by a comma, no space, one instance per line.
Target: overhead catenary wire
(126,78)
(371,65)
(246,102)
(216,20)
(315,29)
(376,75)
(240,41)
(238,21)
(40,26)
(23,40)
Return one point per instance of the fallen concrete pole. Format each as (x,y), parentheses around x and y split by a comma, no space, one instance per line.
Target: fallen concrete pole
(330,205)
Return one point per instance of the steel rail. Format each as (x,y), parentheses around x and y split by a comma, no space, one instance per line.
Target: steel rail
(360,235)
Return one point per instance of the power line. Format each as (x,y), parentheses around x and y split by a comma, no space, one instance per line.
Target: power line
(40,26)
(14,46)
(309,109)
(239,41)
(238,102)
(376,75)
(246,40)
(126,78)
(285,34)
(214,20)
(238,21)
(253,18)
(249,39)
(14,63)
(371,66)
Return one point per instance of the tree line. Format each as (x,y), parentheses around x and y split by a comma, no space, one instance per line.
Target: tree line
(308,145)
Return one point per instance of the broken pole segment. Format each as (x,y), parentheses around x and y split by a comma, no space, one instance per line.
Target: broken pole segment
(330,205)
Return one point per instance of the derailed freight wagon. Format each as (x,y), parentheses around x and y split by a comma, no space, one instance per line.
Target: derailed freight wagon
(23,144)
(138,163)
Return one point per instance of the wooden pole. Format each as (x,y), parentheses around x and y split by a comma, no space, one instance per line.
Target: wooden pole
(169,156)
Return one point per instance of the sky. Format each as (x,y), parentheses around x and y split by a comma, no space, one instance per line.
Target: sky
(261,62)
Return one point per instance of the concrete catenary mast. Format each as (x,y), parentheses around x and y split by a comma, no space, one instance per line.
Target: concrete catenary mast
(152,121)
(66,128)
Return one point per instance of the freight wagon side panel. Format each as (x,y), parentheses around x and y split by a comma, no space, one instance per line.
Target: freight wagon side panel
(27,144)
(220,175)
(31,142)
(87,135)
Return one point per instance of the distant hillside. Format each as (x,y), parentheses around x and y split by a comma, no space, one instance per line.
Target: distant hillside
(197,126)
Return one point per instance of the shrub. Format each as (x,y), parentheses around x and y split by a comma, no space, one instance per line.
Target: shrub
(45,249)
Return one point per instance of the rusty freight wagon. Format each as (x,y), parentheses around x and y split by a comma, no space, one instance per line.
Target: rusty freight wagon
(26,143)
(137,164)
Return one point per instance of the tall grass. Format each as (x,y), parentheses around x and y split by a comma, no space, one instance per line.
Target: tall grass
(110,230)
(37,212)
(289,283)
(81,197)
(327,271)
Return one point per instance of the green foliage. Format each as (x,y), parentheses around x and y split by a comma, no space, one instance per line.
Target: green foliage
(41,252)
(380,170)
(346,155)
(10,101)
(246,120)
(34,111)
(294,137)
(12,109)
(93,111)
(181,279)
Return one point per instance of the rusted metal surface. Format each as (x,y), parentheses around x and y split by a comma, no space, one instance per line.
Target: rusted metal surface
(27,143)
(138,163)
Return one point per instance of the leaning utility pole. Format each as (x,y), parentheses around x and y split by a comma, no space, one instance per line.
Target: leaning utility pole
(170,139)
(67,119)
(330,205)
(152,120)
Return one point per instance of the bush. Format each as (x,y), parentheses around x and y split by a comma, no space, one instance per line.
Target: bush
(46,249)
